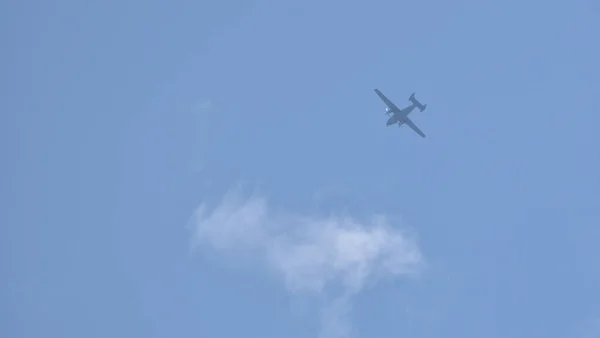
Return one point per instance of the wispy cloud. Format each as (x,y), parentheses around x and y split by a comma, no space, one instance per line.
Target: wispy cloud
(333,257)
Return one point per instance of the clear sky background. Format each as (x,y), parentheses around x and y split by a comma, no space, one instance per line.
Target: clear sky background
(129,127)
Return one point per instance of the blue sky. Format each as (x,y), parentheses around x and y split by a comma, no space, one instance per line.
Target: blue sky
(223,169)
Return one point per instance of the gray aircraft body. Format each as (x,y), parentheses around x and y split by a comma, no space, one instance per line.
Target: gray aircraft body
(400,116)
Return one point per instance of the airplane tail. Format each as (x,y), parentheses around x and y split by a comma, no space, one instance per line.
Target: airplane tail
(416,102)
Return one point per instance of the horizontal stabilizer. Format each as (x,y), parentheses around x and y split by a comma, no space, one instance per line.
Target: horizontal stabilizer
(416,102)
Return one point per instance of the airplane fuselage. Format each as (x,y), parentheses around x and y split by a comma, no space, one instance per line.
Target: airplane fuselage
(399,116)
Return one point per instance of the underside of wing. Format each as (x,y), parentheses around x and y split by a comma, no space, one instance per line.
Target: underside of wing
(387,101)
(414,127)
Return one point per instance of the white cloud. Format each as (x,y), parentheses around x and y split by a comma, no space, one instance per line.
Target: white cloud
(332,257)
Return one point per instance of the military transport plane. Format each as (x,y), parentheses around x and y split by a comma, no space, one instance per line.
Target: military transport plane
(400,116)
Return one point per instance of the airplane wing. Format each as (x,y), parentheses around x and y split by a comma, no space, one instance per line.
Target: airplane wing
(414,127)
(387,102)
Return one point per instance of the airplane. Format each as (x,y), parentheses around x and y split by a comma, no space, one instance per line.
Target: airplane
(400,116)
